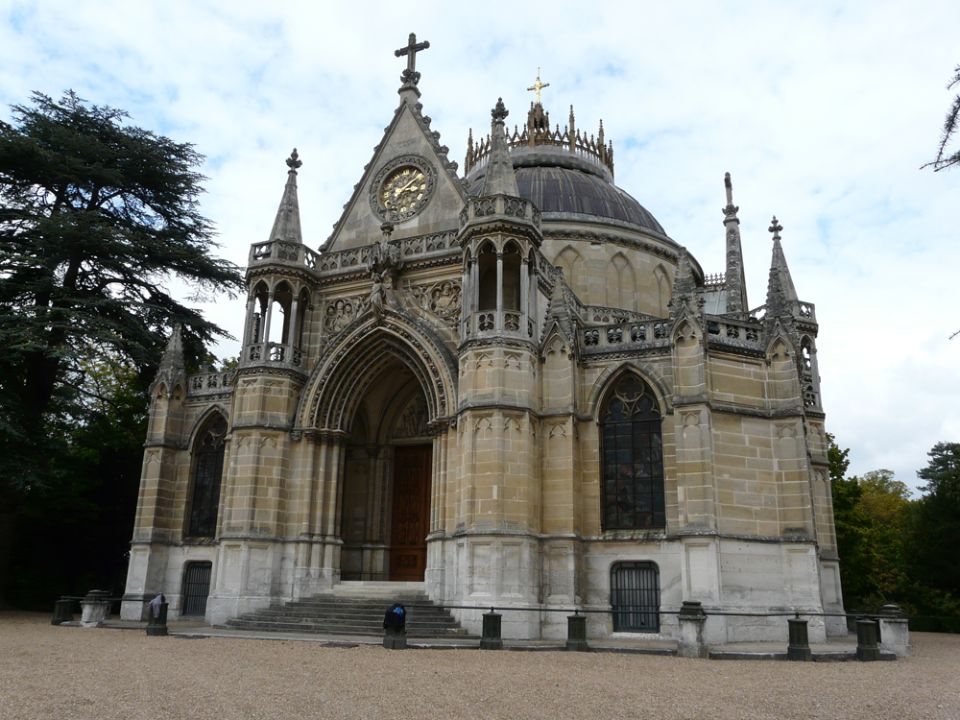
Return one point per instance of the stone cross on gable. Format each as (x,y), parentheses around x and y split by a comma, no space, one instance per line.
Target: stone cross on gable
(410,76)
(537,87)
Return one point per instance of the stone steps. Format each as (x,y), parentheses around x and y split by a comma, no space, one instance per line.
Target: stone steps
(354,610)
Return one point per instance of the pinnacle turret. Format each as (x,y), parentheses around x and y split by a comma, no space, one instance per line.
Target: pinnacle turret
(500,178)
(287,225)
(173,354)
(735,280)
(781,293)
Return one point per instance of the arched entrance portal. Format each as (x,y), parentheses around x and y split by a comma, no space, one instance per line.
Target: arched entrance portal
(385,508)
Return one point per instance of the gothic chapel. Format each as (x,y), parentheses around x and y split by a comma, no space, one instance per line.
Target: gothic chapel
(508,387)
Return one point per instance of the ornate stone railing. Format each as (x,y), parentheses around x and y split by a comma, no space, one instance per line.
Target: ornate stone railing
(592,148)
(428,244)
(743,334)
(479,209)
(484,324)
(609,315)
(801,309)
(273,353)
(297,255)
(285,253)
(630,335)
(210,383)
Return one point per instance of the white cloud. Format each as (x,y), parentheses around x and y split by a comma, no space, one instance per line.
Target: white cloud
(822,112)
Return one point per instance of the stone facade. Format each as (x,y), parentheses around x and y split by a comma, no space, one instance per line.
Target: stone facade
(444,393)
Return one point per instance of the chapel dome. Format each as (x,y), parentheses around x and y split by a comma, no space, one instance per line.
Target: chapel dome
(567,175)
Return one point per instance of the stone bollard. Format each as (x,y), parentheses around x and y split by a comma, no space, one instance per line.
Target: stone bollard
(867,649)
(490,639)
(577,633)
(894,631)
(62,612)
(95,605)
(395,627)
(798,647)
(692,618)
(157,622)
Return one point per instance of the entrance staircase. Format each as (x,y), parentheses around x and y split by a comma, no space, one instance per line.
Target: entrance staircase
(355,609)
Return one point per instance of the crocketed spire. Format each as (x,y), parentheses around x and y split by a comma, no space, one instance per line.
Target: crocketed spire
(735,280)
(287,225)
(500,178)
(781,294)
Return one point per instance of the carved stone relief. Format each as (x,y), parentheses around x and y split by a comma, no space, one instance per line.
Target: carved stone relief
(412,422)
(342,312)
(442,299)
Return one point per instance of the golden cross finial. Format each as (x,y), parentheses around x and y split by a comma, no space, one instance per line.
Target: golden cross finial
(537,87)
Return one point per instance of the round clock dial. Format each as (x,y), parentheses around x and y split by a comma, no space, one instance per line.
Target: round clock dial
(404,192)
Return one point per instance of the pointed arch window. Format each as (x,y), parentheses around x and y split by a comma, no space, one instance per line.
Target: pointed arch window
(632,458)
(207,470)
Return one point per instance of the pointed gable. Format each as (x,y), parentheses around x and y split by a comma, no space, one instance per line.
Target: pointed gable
(411,171)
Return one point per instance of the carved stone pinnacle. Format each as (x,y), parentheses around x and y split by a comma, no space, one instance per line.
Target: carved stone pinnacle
(294,162)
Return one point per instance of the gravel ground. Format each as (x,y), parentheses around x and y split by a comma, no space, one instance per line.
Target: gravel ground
(58,673)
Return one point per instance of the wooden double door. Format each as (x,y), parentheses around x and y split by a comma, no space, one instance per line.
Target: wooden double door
(410,514)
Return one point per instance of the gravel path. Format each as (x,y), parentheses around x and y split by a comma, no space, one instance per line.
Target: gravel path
(58,673)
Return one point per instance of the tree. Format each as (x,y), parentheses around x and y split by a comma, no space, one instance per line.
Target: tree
(945,158)
(937,525)
(96,218)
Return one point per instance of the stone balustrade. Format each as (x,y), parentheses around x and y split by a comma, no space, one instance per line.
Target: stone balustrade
(273,353)
(210,383)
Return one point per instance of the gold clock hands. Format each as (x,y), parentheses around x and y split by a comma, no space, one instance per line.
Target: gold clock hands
(406,186)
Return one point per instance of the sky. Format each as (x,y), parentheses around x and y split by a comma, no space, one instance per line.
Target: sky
(823,113)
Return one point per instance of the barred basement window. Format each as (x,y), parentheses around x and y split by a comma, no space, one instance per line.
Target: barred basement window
(635,597)
(207,469)
(632,457)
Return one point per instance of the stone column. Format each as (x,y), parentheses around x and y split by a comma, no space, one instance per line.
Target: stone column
(498,318)
(95,606)
(692,619)
(268,314)
(292,340)
(524,292)
(894,631)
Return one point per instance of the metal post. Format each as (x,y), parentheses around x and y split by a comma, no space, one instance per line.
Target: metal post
(577,632)
(798,647)
(867,647)
(490,639)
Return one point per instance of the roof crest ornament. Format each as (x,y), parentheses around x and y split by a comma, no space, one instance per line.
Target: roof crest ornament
(294,162)
(730,211)
(410,76)
(775,228)
(537,87)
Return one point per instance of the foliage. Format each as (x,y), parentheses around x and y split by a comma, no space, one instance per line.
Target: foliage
(97,218)
(73,531)
(897,549)
(937,521)
(945,158)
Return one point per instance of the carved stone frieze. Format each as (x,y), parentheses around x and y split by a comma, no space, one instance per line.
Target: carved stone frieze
(343,311)
(441,298)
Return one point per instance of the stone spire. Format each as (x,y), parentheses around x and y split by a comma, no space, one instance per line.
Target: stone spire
(287,225)
(685,292)
(735,280)
(500,178)
(781,294)
(173,354)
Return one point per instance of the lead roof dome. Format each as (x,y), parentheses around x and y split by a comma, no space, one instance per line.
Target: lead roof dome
(565,178)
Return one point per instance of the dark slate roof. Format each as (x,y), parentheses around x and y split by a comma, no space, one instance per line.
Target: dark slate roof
(557,186)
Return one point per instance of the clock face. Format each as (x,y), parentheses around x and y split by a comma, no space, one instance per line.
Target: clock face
(404,192)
